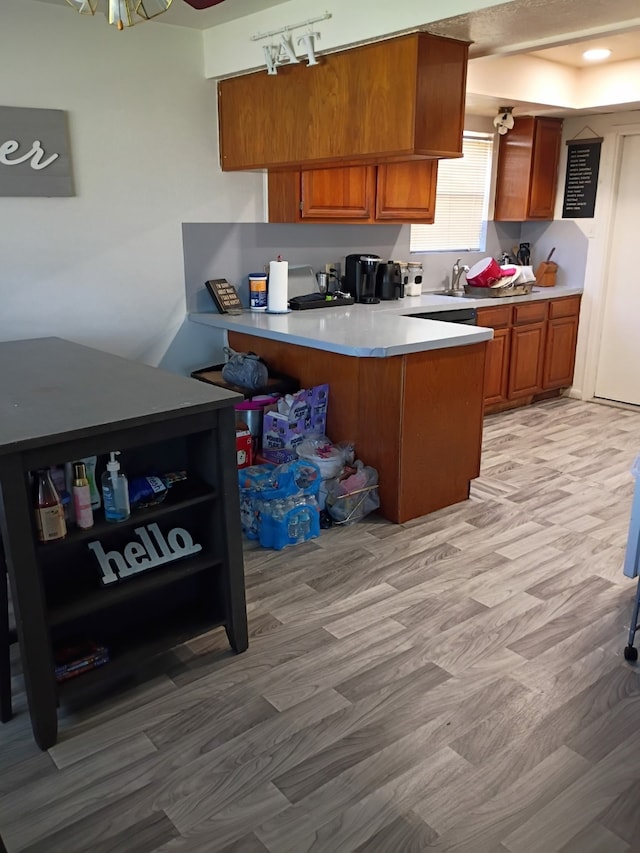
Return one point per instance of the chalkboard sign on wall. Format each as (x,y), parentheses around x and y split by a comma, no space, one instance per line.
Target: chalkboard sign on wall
(581,180)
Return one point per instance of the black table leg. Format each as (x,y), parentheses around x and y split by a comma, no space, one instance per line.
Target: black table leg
(6,711)
(28,600)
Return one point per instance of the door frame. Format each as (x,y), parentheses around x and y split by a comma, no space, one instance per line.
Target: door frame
(599,260)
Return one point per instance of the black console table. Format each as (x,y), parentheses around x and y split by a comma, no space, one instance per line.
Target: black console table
(59,402)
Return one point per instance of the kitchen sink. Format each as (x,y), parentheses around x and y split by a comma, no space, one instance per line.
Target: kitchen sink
(456,293)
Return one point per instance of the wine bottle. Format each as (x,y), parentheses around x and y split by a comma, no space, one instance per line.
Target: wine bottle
(49,512)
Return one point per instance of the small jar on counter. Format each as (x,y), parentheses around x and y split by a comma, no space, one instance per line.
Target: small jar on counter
(414,279)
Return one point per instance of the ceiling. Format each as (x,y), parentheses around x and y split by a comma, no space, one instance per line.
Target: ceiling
(624,46)
(555,30)
(527,25)
(182,15)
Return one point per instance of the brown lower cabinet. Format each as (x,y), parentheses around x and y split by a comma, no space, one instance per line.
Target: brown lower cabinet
(532,354)
(394,192)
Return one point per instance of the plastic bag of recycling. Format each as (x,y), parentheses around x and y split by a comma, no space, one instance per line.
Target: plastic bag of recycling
(353,496)
(330,458)
(245,369)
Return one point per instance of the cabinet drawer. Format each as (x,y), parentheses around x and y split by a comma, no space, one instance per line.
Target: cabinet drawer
(530,312)
(567,307)
(495,318)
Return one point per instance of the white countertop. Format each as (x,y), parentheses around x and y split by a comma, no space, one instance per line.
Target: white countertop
(372,331)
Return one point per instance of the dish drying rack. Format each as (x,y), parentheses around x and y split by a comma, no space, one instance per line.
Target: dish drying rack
(512,289)
(520,283)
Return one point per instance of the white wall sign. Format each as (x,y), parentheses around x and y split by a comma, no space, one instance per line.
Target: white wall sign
(35,158)
(283,53)
(151,551)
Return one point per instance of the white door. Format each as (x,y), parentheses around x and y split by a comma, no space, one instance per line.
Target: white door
(618,374)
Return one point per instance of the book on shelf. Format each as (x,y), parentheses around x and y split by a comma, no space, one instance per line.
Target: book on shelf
(73,660)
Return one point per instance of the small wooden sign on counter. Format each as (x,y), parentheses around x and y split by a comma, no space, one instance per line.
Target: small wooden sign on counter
(224,295)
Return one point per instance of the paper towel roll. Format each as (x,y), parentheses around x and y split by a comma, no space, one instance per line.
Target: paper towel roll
(278,293)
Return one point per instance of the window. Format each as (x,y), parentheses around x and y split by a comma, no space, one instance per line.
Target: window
(462,201)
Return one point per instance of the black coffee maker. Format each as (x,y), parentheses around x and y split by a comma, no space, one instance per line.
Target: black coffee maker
(389,283)
(360,277)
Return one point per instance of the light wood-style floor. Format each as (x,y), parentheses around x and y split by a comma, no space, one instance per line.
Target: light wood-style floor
(452,684)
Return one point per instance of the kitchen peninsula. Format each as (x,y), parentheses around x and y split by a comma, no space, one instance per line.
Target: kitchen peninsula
(407,391)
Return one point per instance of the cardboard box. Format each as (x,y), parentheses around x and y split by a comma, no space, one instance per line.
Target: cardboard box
(307,416)
(244,448)
(278,431)
(274,457)
(309,402)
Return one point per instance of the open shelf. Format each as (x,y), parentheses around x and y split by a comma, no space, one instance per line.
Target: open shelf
(127,657)
(139,585)
(181,495)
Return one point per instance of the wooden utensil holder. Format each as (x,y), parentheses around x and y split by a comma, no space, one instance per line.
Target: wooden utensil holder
(546,274)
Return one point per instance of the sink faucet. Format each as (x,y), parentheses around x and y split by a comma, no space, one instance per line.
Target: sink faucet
(456,273)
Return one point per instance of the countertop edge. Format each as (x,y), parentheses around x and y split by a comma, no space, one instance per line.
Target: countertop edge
(330,329)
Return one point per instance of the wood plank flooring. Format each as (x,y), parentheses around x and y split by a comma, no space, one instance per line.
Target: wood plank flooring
(455,683)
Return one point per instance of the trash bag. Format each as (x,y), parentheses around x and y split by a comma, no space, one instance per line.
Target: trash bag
(245,369)
(355,496)
(330,458)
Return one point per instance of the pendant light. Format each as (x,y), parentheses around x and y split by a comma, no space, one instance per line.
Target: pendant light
(122,13)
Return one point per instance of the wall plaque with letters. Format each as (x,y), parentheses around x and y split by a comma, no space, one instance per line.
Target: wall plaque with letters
(224,295)
(581,181)
(35,158)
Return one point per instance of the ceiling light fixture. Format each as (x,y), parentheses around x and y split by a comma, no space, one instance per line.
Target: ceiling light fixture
(596,54)
(504,121)
(123,13)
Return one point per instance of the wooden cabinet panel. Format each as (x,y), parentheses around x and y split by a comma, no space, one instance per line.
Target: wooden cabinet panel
(496,368)
(544,170)
(528,170)
(560,353)
(396,192)
(529,312)
(347,193)
(440,443)
(569,306)
(396,99)
(495,318)
(527,352)
(407,191)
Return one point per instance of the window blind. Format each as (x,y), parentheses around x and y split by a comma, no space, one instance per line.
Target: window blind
(462,201)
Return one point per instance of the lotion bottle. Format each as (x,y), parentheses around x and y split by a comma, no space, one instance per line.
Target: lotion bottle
(82,496)
(115,491)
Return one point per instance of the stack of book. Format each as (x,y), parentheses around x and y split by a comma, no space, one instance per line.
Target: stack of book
(76,659)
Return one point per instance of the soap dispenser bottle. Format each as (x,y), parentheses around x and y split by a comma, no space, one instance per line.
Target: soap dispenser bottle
(115,491)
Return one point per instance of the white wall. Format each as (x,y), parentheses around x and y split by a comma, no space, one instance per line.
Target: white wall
(105,267)
(229,50)
(597,231)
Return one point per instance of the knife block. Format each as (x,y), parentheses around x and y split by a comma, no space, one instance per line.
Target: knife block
(546,274)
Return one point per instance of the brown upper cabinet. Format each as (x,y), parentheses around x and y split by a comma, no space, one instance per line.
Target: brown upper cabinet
(395,192)
(528,170)
(396,100)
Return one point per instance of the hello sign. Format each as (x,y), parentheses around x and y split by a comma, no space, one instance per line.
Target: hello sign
(152,549)
(34,153)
